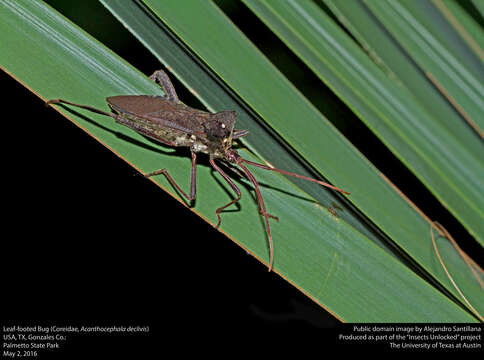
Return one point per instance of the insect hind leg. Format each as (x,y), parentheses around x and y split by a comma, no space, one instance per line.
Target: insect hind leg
(161,78)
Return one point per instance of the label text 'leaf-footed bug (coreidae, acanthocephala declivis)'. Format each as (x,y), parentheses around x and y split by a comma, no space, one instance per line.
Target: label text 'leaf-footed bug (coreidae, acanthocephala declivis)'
(167,120)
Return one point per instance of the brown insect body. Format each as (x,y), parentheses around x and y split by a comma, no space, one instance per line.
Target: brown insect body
(177,123)
(166,119)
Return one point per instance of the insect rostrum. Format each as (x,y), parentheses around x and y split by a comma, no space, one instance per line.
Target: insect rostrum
(167,120)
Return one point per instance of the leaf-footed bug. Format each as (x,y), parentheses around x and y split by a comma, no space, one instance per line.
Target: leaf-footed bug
(169,121)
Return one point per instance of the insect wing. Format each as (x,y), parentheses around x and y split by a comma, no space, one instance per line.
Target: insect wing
(137,105)
(155,111)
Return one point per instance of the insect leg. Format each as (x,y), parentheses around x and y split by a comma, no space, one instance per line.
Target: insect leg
(193,179)
(232,185)
(271,216)
(241,173)
(161,78)
(140,129)
(90,108)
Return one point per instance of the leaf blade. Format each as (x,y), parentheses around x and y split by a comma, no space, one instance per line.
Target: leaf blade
(71,75)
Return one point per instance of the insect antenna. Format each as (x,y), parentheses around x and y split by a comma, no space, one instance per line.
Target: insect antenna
(262,208)
(239,160)
(293,174)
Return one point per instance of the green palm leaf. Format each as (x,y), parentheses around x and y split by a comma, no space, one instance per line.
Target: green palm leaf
(335,261)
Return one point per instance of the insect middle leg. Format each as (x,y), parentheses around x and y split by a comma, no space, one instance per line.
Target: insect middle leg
(193,179)
(161,78)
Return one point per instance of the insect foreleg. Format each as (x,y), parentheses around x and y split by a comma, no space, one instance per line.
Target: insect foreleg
(193,179)
(162,79)
(243,174)
(232,185)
